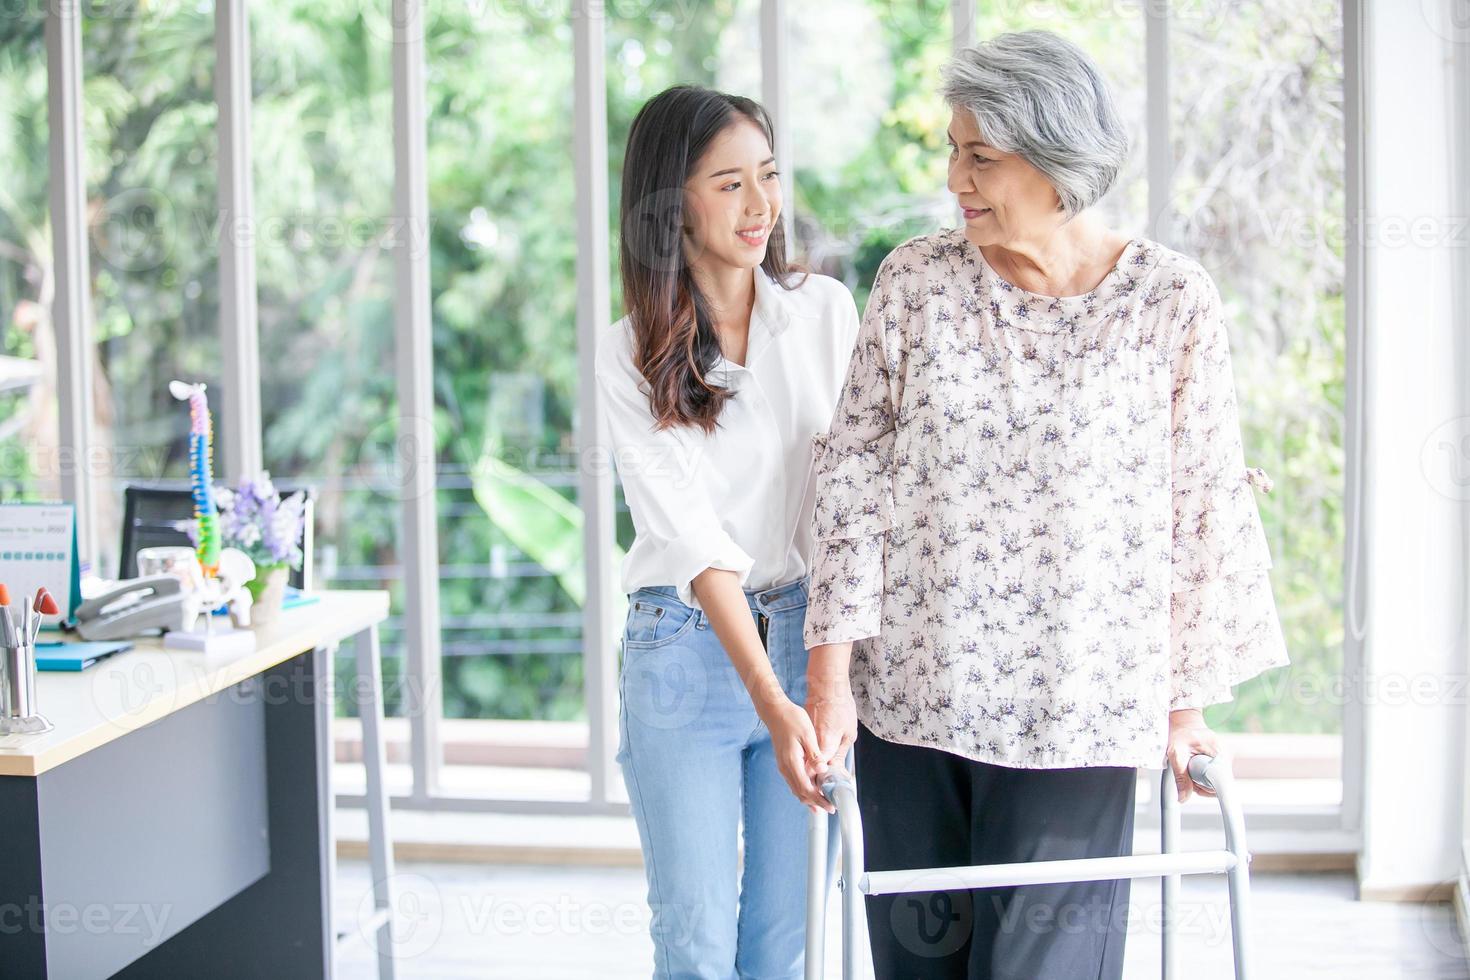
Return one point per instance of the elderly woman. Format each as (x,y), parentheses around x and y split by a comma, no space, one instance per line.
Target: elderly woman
(1038,552)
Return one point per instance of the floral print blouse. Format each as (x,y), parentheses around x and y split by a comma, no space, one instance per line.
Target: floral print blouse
(1033,514)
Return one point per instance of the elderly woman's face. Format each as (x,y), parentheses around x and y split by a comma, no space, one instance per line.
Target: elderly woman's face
(1003,196)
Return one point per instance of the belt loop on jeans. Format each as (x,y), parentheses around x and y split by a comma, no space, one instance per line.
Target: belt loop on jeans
(765,597)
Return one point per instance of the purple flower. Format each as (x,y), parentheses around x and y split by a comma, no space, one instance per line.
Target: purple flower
(255,519)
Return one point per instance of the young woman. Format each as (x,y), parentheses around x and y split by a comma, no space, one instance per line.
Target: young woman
(714,386)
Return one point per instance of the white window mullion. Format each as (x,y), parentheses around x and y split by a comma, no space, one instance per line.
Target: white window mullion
(1160,152)
(1354,394)
(962,21)
(413,349)
(594,303)
(240,421)
(962,35)
(71,306)
(775,87)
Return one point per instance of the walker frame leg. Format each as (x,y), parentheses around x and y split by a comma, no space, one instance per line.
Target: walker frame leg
(1168,884)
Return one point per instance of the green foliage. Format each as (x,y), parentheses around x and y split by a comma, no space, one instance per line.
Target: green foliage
(544,525)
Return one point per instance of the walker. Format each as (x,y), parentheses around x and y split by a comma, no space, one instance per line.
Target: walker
(838,786)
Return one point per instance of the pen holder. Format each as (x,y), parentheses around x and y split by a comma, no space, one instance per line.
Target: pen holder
(18,714)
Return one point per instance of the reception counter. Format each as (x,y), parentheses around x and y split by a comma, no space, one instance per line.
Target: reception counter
(176,821)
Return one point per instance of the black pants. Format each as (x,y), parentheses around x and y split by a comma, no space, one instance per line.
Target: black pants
(926,808)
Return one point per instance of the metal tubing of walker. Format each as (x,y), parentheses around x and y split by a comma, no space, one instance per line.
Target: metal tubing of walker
(1214,775)
(1168,865)
(1046,872)
(818,865)
(849,822)
(1169,884)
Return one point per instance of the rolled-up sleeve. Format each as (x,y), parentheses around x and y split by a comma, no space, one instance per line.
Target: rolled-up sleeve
(1224,627)
(669,503)
(854,475)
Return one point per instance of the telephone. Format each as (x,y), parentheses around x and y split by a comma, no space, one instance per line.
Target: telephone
(136,605)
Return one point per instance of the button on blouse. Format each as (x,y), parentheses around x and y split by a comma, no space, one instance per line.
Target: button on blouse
(1033,513)
(740,499)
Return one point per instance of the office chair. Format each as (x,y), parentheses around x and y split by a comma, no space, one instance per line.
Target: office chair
(159,514)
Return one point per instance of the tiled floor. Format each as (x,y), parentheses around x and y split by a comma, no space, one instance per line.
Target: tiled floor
(557,923)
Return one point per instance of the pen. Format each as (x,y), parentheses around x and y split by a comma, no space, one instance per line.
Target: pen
(5,623)
(45,606)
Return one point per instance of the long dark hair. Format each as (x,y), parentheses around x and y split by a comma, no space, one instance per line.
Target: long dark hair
(675,343)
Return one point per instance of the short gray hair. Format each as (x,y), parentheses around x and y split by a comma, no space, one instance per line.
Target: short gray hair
(1041,97)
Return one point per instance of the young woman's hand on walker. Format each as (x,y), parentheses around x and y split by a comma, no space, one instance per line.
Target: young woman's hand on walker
(792,738)
(795,744)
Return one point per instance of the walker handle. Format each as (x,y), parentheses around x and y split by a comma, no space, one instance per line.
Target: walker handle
(1199,771)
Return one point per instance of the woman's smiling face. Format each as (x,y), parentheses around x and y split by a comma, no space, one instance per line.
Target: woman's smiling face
(1004,197)
(732,199)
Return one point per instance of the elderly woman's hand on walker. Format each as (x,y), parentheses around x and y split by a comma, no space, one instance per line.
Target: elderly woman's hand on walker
(829,702)
(1189,736)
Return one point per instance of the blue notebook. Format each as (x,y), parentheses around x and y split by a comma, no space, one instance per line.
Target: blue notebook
(76,656)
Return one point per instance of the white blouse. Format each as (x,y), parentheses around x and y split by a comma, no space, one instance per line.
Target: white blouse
(1033,513)
(739,499)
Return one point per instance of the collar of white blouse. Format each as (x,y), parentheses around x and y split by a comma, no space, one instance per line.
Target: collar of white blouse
(769,315)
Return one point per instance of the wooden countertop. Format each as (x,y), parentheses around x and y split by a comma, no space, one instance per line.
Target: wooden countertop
(128,690)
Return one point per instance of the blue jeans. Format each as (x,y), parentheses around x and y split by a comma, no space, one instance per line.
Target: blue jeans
(698,765)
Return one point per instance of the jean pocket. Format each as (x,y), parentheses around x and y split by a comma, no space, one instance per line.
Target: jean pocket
(655,620)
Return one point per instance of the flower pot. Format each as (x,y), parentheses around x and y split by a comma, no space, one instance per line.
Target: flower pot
(267,591)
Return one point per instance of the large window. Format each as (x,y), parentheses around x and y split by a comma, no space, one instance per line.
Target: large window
(29,442)
(149,174)
(867,131)
(322,141)
(1251,184)
(1258,197)
(151,185)
(503,255)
